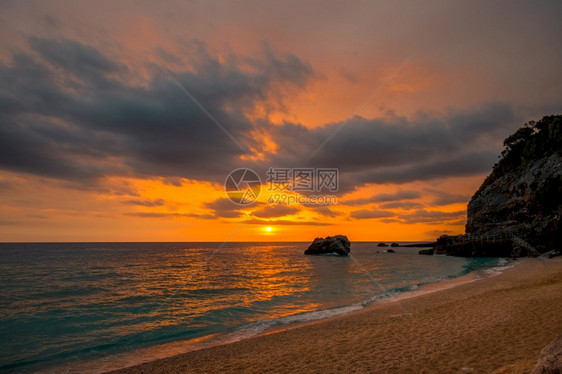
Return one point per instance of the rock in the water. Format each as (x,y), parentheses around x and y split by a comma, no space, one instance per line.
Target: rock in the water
(394,245)
(381,244)
(338,244)
(550,359)
(386,251)
(428,251)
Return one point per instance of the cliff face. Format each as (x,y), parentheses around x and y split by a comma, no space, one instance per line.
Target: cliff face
(526,202)
(523,194)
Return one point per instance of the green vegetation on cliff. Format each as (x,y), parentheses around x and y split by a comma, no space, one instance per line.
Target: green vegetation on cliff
(531,142)
(517,211)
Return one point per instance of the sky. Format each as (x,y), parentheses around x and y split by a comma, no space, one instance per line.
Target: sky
(121,121)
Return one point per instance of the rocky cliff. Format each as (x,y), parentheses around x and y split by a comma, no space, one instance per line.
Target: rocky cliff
(522,197)
(526,202)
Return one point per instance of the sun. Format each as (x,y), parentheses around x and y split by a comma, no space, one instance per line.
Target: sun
(268,229)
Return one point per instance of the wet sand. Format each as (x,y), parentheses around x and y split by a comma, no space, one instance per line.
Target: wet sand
(498,323)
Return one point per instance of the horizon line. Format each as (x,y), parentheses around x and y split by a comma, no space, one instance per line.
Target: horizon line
(202,241)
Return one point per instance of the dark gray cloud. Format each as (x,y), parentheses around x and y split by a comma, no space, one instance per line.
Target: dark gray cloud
(417,216)
(407,205)
(453,165)
(400,150)
(445,198)
(69,112)
(81,62)
(225,208)
(431,217)
(386,197)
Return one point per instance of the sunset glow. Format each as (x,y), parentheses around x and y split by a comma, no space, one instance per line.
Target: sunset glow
(280,186)
(133,121)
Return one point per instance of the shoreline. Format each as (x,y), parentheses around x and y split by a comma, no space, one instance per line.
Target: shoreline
(455,315)
(140,356)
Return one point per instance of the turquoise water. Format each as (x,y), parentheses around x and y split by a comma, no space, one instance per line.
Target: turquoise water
(66,303)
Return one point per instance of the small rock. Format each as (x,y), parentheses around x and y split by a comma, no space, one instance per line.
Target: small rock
(428,251)
(381,244)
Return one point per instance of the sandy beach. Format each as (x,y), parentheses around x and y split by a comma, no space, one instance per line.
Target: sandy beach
(495,324)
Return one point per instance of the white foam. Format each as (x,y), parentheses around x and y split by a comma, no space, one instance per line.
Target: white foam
(259,327)
(503,265)
(503,261)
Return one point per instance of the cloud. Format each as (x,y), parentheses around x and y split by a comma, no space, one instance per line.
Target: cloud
(6,185)
(83,62)
(438,233)
(146,202)
(225,208)
(71,112)
(283,222)
(37,216)
(347,75)
(386,197)
(371,213)
(324,210)
(151,214)
(445,198)
(460,222)
(407,205)
(400,150)
(273,211)
(431,217)
(417,216)
(169,215)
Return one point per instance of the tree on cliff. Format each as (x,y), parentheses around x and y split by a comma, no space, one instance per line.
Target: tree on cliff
(523,194)
(531,142)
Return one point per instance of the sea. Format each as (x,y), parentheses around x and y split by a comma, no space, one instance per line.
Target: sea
(95,307)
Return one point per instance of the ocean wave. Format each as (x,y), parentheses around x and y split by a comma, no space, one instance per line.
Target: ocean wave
(259,327)
(502,265)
